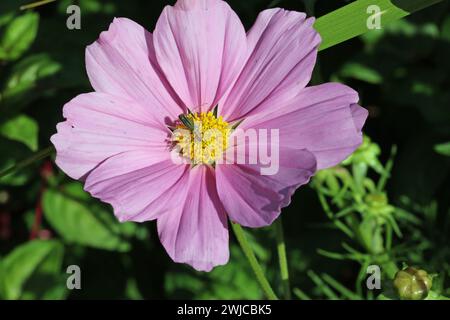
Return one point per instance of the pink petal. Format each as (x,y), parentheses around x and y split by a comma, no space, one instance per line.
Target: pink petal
(201,47)
(255,200)
(324,119)
(99,126)
(140,185)
(197,232)
(122,62)
(283,54)
(359,116)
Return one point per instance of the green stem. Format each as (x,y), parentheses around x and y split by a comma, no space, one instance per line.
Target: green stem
(387,170)
(35,4)
(44,153)
(282,258)
(259,273)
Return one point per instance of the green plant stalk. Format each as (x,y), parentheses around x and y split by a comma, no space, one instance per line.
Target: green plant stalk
(256,267)
(35,4)
(42,154)
(361,276)
(387,171)
(300,294)
(282,258)
(326,290)
(351,20)
(388,266)
(341,226)
(340,288)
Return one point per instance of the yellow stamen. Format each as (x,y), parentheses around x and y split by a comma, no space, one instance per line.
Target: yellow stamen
(205,141)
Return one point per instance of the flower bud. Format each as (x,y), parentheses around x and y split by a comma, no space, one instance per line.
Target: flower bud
(412,284)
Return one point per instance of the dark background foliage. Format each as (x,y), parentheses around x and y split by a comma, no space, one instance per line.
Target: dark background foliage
(401,73)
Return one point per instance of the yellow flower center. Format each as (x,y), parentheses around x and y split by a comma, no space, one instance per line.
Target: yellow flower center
(201,137)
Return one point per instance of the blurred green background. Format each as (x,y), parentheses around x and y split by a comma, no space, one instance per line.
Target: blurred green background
(387,205)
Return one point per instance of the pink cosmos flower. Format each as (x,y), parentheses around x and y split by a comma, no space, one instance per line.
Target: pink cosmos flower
(118,141)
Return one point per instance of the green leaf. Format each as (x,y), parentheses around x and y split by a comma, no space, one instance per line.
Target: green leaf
(28,75)
(8,10)
(351,20)
(443,148)
(2,281)
(33,270)
(445,29)
(18,36)
(361,72)
(31,69)
(23,129)
(130,229)
(80,225)
(6,18)
(432,295)
(12,152)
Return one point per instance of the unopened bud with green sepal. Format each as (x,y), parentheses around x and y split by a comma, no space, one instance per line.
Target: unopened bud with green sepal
(412,284)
